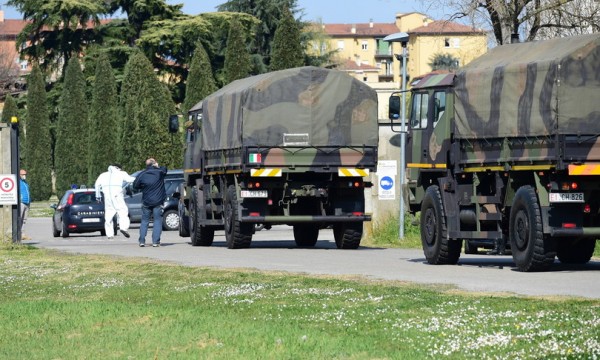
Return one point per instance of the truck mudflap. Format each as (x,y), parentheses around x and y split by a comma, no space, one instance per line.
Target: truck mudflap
(576,232)
(305,219)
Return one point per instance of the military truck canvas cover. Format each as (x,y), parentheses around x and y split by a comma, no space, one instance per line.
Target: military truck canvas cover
(531,89)
(305,106)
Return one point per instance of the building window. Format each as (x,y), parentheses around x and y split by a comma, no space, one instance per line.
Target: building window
(456,43)
(340,45)
(364,45)
(23,65)
(446,42)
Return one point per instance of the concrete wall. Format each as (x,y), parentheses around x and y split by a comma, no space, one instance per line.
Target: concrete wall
(5,210)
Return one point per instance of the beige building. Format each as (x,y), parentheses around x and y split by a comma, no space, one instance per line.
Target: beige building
(361,51)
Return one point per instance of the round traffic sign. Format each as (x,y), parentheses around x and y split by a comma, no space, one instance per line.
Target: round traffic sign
(7,184)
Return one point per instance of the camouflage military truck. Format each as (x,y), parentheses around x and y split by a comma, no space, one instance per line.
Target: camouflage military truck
(504,155)
(287,147)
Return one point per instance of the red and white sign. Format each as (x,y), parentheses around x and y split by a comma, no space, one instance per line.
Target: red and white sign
(8,189)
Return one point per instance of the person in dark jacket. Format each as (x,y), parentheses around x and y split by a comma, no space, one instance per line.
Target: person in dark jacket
(151,182)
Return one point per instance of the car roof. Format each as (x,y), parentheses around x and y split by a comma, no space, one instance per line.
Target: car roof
(170,173)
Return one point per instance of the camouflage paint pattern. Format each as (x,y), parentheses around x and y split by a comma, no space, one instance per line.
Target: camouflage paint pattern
(308,108)
(533,89)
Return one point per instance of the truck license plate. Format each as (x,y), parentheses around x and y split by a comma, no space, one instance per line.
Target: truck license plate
(254,193)
(89,220)
(566,197)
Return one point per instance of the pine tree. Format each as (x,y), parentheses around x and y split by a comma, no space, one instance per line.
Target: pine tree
(237,59)
(146,105)
(38,144)
(104,120)
(287,48)
(200,82)
(72,131)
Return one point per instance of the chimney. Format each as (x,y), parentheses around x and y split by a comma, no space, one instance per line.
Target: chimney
(371,23)
(425,21)
(1,15)
(353,30)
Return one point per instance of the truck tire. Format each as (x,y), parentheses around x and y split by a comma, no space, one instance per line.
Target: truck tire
(347,235)
(184,225)
(238,235)
(470,248)
(306,235)
(438,249)
(531,250)
(200,235)
(575,251)
(184,220)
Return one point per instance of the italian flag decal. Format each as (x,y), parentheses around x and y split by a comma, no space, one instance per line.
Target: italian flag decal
(255,158)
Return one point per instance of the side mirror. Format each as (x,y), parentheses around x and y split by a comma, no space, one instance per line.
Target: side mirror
(54,206)
(173,124)
(129,189)
(394,107)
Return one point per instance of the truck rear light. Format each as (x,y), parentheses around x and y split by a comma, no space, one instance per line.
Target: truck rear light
(566,186)
(357,184)
(357,213)
(587,209)
(253,185)
(270,202)
(569,225)
(255,214)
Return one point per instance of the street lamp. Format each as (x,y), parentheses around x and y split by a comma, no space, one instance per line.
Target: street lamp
(402,38)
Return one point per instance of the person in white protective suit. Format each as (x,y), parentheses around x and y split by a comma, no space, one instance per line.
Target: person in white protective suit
(111,183)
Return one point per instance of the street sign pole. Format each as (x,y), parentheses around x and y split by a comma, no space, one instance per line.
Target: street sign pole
(14,167)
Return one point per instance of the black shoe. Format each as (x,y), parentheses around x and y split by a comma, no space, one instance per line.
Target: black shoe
(124,232)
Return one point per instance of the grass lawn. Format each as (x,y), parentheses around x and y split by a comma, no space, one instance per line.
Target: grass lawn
(64,306)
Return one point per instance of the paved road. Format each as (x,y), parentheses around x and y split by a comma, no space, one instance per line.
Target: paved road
(275,250)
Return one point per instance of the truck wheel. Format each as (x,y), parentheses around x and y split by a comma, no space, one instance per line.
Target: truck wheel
(438,249)
(470,248)
(199,235)
(184,225)
(347,235)
(238,235)
(306,235)
(575,251)
(531,250)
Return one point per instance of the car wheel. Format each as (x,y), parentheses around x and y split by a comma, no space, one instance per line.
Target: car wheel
(55,231)
(170,220)
(65,232)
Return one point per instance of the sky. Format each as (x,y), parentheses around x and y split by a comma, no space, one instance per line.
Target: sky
(329,11)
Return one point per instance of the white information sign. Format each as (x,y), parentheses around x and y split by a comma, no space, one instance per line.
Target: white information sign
(386,179)
(8,189)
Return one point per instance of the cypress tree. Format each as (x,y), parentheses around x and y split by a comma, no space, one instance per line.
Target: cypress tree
(72,131)
(38,144)
(104,120)
(146,105)
(237,58)
(200,82)
(10,110)
(287,47)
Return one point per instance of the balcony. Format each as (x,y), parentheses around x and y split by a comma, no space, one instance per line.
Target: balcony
(383,55)
(386,77)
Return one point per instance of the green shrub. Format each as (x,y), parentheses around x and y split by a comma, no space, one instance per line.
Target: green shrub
(386,232)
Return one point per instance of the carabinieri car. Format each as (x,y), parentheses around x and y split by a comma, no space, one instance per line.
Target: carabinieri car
(78,212)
